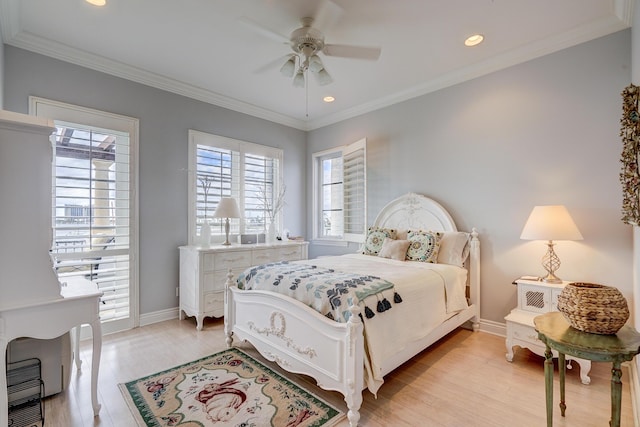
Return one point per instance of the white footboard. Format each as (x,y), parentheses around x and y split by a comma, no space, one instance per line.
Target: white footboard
(300,340)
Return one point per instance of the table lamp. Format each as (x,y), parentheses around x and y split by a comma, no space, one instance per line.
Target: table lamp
(550,223)
(227,208)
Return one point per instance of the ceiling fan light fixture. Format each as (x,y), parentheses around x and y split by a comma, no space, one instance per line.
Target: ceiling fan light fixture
(315,64)
(323,77)
(289,67)
(298,80)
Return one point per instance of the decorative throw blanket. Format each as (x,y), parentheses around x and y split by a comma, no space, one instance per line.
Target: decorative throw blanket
(329,292)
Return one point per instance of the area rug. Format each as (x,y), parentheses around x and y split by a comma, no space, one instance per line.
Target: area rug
(229,388)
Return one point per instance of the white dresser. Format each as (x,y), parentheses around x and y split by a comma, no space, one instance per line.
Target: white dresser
(536,298)
(203,272)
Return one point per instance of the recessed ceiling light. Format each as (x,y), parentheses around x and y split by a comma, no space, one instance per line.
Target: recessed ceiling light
(474,40)
(328,99)
(97,2)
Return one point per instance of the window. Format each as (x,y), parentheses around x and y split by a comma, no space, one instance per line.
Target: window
(93,215)
(225,167)
(339,212)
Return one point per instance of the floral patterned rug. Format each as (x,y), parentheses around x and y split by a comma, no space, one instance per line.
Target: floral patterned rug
(229,388)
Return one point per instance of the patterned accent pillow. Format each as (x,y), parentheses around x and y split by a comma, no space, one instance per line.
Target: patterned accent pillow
(423,246)
(375,238)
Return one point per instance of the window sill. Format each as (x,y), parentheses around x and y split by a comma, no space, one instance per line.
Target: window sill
(330,242)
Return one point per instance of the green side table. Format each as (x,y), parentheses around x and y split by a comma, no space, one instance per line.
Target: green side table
(557,334)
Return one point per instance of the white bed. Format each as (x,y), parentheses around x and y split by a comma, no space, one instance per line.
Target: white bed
(301,340)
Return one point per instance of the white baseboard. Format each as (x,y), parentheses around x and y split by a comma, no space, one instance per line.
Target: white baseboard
(159,316)
(494,328)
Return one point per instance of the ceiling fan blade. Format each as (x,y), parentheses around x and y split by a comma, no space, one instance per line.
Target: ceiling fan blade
(348,51)
(327,15)
(262,30)
(272,65)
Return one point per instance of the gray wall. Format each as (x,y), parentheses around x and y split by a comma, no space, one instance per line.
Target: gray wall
(542,132)
(164,121)
(1,72)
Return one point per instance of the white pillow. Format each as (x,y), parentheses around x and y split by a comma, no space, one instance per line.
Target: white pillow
(454,248)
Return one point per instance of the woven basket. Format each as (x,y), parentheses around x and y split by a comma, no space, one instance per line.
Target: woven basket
(593,308)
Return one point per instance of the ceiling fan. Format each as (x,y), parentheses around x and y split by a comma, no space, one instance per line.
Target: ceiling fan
(308,41)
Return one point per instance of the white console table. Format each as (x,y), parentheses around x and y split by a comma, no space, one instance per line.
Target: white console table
(78,305)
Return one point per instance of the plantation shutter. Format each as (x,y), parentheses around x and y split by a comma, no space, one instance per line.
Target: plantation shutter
(91,212)
(355,190)
(260,181)
(225,167)
(217,169)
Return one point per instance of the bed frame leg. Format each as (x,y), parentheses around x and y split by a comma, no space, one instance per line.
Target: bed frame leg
(355,360)
(228,310)
(353,404)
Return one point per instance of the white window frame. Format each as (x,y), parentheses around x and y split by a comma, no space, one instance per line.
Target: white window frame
(343,151)
(238,188)
(62,112)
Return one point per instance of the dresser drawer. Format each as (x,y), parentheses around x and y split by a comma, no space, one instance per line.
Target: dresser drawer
(215,280)
(263,256)
(290,254)
(235,259)
(213,301)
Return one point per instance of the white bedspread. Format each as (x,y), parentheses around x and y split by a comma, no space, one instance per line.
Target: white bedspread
(431,293)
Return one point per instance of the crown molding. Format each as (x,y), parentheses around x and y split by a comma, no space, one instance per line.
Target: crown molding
(9,19)
(11,35)
(517,56)
(33,43)
(624,11)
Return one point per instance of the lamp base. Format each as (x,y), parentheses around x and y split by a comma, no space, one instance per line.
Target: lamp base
(226,233)
(551,278)
(551,263)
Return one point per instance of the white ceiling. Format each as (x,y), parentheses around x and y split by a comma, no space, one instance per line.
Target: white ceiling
(200,48)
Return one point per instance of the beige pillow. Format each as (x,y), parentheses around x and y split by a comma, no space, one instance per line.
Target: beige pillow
(394,249)
(454,248)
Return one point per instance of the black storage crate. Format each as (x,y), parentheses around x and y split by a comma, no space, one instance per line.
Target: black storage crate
(25,391)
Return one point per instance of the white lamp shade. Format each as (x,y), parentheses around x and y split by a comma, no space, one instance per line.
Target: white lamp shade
(550,223)
(298,80)
(227,208)
(324,78)
(315,64)
(289,67)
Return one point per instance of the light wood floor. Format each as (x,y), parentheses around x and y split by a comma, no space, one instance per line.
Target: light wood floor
(463,380)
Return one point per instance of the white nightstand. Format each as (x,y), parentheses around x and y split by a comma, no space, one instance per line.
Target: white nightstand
(535,298)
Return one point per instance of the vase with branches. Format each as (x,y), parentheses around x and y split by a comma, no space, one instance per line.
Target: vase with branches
(272,207)
(205,230)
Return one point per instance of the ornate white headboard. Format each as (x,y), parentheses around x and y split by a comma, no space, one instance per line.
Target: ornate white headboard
(416,212)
